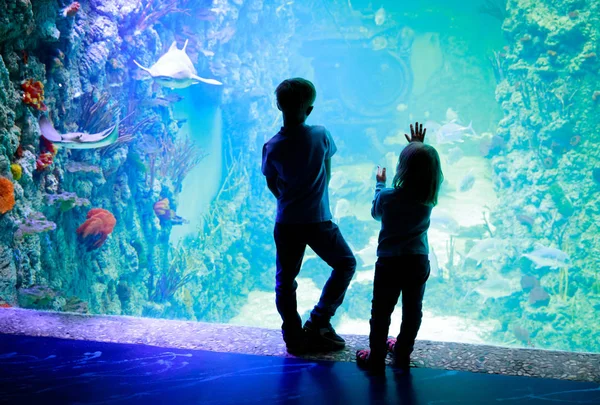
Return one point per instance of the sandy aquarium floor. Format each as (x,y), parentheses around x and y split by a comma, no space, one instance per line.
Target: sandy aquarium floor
(267,342)
(260,311)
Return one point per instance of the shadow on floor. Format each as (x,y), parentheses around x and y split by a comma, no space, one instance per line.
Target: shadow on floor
(57,371)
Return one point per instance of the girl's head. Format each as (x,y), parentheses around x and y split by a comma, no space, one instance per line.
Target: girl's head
(419,172)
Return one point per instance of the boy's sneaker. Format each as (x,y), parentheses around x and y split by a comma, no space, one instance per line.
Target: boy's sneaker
(296,344)
(323,338)
(297,347)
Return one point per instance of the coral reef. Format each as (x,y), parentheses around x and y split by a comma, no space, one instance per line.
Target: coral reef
(32,224)
(16,170)
(66,200)
(7,195)
(550,75)
(164,212)
(94,231)
(33,94)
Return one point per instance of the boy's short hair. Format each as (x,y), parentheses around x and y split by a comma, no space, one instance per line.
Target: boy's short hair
(295,95)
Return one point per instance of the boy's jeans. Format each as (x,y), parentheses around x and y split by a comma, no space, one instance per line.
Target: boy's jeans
(406,274)
(328,243)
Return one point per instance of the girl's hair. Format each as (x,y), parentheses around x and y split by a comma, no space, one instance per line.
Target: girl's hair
(419,172)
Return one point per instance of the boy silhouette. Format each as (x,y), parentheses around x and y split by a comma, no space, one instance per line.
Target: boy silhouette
(297,165)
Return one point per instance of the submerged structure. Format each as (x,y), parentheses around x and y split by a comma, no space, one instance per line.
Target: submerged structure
(101,158)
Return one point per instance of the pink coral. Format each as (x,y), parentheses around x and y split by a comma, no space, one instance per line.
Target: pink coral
(94,231)
(71,9)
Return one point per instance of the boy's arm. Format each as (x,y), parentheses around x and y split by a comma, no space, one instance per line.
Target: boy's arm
(272,184)
(270,173)
(328,169)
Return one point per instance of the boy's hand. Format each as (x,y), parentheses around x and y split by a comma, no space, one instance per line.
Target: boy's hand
(417,134)
(381,176)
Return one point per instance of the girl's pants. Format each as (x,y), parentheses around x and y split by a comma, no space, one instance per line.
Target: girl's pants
(394,275)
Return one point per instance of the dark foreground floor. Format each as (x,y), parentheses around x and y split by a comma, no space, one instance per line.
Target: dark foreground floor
(36,370)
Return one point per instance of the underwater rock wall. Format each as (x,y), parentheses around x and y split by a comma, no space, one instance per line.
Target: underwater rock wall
(82,56)
(547,177)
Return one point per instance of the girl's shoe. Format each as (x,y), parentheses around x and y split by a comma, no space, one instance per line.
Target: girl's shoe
(364,361)
(391,343)
(402,364)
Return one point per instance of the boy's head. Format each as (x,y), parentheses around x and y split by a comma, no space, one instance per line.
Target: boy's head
(295,98)
(419,172)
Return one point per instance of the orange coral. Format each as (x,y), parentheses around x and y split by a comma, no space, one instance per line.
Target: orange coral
(33,94)
(7,195)
(163,211)
(44,160)
(94,231)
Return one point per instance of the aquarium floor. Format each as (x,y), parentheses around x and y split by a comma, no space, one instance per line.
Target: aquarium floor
(35,370)
(247,340)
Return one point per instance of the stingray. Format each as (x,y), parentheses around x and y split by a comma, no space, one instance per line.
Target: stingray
(175,69)
(78,140)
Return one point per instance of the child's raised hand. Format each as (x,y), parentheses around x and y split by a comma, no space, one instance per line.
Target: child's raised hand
(417,134)
(381,176)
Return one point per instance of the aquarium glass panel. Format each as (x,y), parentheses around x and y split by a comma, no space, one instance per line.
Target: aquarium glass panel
(131,137)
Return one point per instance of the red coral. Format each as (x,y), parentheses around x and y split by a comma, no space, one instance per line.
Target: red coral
(596,95)
(575,140)
(48,146)
(7,195)
(71,9)
(19,152)
(44,160)
(574,14)
(94,231)
(33,94)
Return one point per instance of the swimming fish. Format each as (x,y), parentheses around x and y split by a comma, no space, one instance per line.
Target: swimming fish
(175,69)
(379,43)
(454,155)
(543,256)
(342,209)
(380,16)
(451,115)
(453,132)
(495,287)
(368,254)
(444,222)
(434,267)
(486,249)
(467,182)
(78,140)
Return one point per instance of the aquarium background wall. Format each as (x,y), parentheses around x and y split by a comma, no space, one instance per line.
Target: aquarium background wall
(174,219)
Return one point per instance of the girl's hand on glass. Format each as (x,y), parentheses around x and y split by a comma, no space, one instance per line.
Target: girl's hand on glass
(417,133)
(381,176)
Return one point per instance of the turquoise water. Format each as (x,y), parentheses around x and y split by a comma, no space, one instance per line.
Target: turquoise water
(508,92)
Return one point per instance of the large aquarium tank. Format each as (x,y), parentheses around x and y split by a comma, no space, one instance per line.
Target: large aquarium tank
(130,148)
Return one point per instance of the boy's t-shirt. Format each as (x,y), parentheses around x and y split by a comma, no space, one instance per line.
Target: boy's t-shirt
(404,223)
(296,157)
